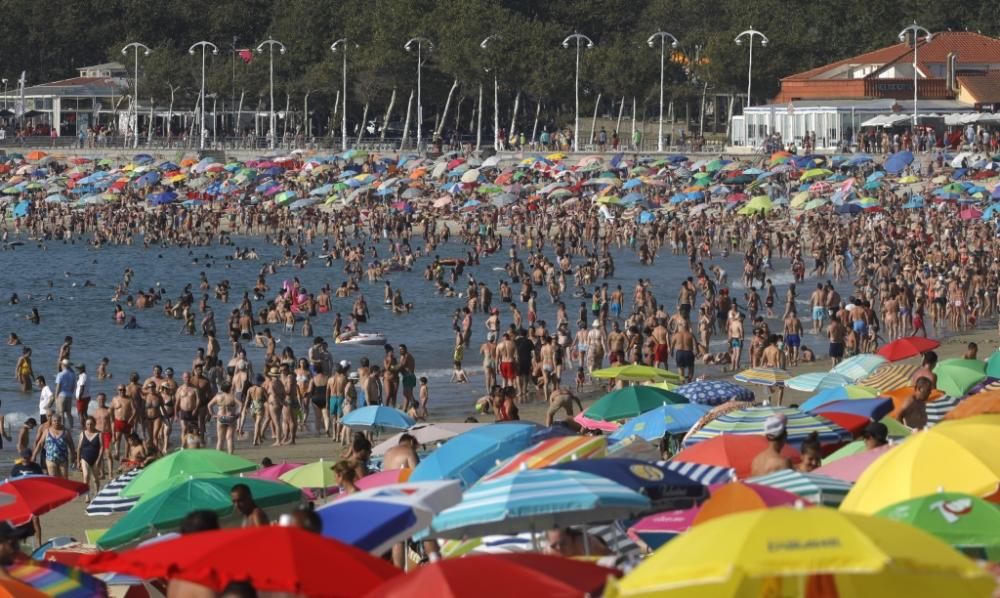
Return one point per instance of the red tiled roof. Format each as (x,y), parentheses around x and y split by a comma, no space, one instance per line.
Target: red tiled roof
(984,88)
(970,48)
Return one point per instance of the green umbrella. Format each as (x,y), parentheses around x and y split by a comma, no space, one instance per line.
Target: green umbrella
(318,474)
(966,522)
(957,376)
(166,510)
(186,461)
(637,373)
(993,365)
(630,402)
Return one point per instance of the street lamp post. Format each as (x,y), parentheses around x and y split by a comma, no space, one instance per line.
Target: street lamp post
(271,43)
(419,42)
(204,48)
(579,39)
(343,43)
(750,33)
(915,30)
(496,97)
(4,81)
(663,36)
(135,89)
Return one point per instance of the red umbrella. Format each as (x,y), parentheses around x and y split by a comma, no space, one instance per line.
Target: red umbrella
(35,495)
(500,576)
(275,559)
(908,346)
(731,450)
(851,422)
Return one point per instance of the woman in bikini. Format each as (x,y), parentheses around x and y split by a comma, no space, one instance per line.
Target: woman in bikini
(225,416)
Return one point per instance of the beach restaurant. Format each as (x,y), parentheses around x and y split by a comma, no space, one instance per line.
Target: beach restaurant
(957,76)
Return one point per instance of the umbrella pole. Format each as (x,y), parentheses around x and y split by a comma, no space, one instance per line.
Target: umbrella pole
(586,541)
(534,539)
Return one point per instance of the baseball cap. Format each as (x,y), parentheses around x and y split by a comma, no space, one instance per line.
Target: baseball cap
(774,425)
(345,364)
(877,431)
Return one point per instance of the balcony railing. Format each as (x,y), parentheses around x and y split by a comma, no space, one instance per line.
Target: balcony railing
(902,88)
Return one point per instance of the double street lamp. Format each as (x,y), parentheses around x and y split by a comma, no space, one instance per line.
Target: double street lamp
(750,33)
(204,49)
(343,44)
(135,88)
(662,36)
(496,97)
(915,30)
(271,44)
(419,43)
(580,40)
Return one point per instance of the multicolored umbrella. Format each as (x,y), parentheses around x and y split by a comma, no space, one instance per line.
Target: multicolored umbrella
(816,488)
(665,419)
(956,376)
(537,499)
(714,392)
(763,376)
(631,401)
(664,487)
(889,377)
(750,421)
(814,551)
(57,580)
(850,391)
(956,456)
(550,452)
(966,522)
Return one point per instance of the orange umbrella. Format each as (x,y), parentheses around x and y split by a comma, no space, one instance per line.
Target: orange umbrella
(188,162)
(35,155)
(900,395)
(978,404)
(736,497)
(731,450)
(419,172)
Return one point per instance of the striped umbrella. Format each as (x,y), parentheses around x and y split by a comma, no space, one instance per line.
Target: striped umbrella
(750,421)
(859,366)
(110,500)
(939,409)
(763,376)
(843,393)
(550,452)
(703,474)
(889,377)
(56,579)
(813,487)
(537,499)
(817,381)
(714,392)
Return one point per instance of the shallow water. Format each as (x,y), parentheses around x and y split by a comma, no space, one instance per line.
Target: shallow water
(86,313)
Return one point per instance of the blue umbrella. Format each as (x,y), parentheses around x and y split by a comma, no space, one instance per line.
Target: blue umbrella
(858,160)
(632,197)
(148,179)
(703,474)
(898,162)
(667,489)
(714,392)
(322,190)
(537,499)
(164,197)
(632,183)
(916,202)
(874,409)
(665,419)
(21,209)
(368,524)
(142,159)
(378,416)
(468,456)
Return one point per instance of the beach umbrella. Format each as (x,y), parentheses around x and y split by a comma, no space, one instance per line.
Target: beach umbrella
(714,392)
(815,488)
(898,162)
(631,401)
(537,499)
(164,197)
(25,497)
(956,376)
(636,373)
(761,204)
(499,576)
(955,456)
(981,403)
(273,472)
(271,559)
(55,579)
(817,381)
(666,488)
(426,433)
(109,500)
(469,456)
(889,377)
(937,410)
(186,461)
(839,393)
(993,365)
(788,551)
(166,510)
(385,478)
(859,366)
(377,416)
(908,346)
(374,520)
(732,451)
(750,421)
(550,452)
(873,409)
(814,173)
(14,588)
(318,474)
(850,468)
(965,522)
(762,376)
(669,419)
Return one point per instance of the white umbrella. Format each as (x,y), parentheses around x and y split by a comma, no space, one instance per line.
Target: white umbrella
(470,176)
(491,162)
(425,433)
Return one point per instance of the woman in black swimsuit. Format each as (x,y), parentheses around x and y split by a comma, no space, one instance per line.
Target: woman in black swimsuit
(89,451)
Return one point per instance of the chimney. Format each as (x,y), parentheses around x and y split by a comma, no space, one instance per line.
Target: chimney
(951,67)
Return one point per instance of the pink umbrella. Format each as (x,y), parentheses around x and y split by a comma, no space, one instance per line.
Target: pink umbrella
(384,478)
(593,424)
(970,214)
(850,468)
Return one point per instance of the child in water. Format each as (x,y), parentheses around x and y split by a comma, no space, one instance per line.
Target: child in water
(458,375)
(424,397)
(103,373)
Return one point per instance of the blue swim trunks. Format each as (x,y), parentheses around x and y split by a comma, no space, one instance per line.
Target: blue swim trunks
(337,406)
(819,312)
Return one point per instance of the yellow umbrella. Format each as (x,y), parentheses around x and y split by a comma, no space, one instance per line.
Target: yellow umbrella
(800,199)
(555,157)
(761,203)
(953,456)
(912,178)
(786,552)
(889,377)
(637,373)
